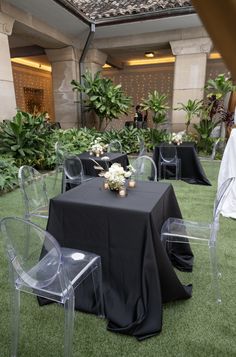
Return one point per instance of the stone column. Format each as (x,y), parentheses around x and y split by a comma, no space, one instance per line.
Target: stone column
(190,74)
(94,60)
(7,91)
(65,67)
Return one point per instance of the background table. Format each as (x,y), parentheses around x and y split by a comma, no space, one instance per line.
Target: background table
(191,168)
(138,276)
(88,164)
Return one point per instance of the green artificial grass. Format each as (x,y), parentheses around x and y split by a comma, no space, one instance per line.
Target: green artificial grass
(194,327)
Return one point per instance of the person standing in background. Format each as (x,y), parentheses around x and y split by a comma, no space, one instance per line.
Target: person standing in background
(138,117)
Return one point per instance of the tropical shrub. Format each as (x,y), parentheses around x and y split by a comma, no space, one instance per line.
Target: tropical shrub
(25,139)
(192,108)
(157,103)
(107,100)
(217,90)
(204,130)
(8,174)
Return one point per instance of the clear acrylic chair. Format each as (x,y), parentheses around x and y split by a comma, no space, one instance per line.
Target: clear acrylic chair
(168,158)
(59,168)
(214,148)
(73,172)
(47,271)
(34,192)
(114,146)
(145,169)
(176,233)
(142,148)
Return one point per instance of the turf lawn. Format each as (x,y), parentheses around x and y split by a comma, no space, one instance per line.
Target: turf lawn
(194,327)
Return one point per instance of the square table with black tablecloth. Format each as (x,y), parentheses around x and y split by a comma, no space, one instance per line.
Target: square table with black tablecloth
(138,276)
(191,169)
(88,164)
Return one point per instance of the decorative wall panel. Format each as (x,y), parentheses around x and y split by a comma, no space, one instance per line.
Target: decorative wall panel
(138,81)
(33,88)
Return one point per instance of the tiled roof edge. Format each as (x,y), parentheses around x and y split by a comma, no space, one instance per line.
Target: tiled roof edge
(103,21)
(146,16)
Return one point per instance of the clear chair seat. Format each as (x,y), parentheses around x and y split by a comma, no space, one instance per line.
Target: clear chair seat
(177,233)
(39,266)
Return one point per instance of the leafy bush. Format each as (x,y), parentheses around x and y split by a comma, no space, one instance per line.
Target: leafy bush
(8,174)
(107,100)
(204,130)
(157,103)
(25,139)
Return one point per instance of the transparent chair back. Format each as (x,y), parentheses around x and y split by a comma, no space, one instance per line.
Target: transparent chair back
(142,148)
(56,186)
(48,271)
(73,172)
(214,148)
(177,233)
(34,192)
(145,169)
(114,146)
(168,158)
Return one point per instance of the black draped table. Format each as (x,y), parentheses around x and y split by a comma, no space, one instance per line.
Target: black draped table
(137,274)
(88,164)
(191,169)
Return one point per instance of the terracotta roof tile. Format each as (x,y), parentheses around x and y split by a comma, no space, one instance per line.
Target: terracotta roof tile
(98,9)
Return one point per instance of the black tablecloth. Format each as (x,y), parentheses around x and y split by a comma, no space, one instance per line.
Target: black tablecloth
(137,274)
(191,168)
(88,164)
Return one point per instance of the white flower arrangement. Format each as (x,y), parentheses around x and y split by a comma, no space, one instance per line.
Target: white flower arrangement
(98,147)
(116,175)
(176,138)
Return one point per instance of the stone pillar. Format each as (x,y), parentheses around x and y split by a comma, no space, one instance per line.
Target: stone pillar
(65,67)
(94,61)
(7,91)
(190,74)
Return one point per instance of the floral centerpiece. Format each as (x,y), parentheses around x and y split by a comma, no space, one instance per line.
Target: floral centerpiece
(176,138)
(116,176)
(98,147)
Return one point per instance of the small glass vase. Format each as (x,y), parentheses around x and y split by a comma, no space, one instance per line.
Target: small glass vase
(122,191)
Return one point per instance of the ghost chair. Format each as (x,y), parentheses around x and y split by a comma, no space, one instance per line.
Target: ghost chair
(168,159)
(34,192)
(177,233)
(60,154)
(142,148)
(48,271)
(214,148)
(145,169)
(114,146)
(74,173)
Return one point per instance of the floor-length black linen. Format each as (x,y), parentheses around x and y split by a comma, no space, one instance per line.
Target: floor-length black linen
(88,164)
(191,169)
(138,276)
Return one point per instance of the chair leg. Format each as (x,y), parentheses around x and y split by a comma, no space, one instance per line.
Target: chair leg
(215,272)
(15,319)
(98,290)
(179,170)
(69,308)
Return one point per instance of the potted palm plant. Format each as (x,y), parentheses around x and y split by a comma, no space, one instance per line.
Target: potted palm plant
(192,108)
(157,103)
(107,100)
